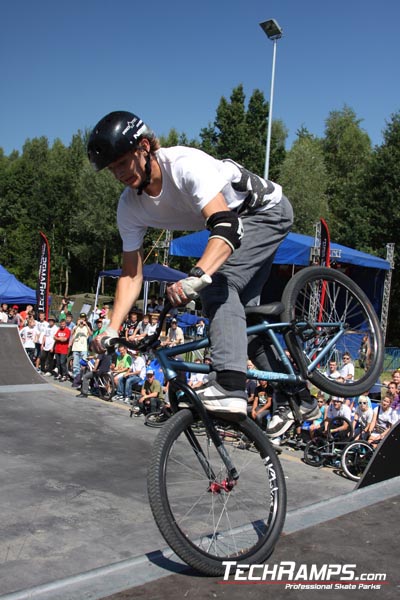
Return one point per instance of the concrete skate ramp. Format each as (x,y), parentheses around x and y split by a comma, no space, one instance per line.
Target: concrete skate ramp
(15,367)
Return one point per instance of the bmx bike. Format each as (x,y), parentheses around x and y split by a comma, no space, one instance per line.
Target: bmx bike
(216,499)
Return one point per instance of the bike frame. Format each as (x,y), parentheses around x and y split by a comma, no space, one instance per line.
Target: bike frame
(269,330)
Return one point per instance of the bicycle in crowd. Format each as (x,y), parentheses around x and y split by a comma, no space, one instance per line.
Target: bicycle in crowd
(219,496)
(337,447)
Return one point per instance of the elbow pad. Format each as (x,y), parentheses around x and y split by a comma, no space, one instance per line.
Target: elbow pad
(227,226)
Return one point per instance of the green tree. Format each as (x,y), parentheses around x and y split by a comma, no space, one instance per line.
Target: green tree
(381,204)
(304,180)
(347,151)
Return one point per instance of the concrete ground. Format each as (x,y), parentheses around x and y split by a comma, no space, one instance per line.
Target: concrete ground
(75,522)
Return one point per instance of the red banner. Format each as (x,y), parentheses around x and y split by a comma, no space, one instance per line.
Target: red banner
(43,284)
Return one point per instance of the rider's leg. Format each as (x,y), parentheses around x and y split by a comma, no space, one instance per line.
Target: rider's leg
(237,283)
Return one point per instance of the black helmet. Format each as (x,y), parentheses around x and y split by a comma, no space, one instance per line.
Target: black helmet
(116,134)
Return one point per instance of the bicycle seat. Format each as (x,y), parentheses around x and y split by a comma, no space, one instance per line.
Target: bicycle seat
(265,310)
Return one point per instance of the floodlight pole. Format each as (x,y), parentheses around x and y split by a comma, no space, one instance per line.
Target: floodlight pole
(274,33)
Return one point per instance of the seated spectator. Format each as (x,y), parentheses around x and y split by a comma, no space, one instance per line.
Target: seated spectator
(134,376)
(262,403)
(395,377)
(130,325)
(347,369)
(175,335)
(317,424)
(337,408)
(393,391)
(382,421)
(150,395)
(102,365)
(251,385)
(153,324)
(122,364)
(196,380)
(332,370)
(142,329)
(363,418)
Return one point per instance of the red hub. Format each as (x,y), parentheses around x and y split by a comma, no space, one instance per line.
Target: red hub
(226,485)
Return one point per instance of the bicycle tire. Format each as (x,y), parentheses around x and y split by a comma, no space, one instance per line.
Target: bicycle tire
(355,459)
(205,527)
(155,419)
(343,436)
(312,452)
(343,301)
(105,386)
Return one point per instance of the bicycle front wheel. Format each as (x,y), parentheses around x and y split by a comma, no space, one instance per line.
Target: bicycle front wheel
(332,316)
(355,459)
(315,452)
(210,520)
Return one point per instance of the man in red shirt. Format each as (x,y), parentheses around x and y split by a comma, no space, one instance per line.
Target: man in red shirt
(61,339)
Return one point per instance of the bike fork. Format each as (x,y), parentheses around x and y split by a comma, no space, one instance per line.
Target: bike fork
(213,434)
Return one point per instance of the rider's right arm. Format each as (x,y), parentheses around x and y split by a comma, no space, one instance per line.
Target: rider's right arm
(128,288)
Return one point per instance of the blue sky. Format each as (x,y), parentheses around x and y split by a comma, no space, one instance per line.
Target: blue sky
(66,64)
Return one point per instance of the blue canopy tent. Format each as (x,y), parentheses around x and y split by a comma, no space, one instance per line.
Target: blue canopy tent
(13,291)
(153,272)
(296,250)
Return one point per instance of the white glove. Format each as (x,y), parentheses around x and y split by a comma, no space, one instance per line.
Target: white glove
(99,343)
(185,290)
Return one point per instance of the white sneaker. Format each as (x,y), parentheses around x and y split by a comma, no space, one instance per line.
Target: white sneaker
(224,403)
(280,422)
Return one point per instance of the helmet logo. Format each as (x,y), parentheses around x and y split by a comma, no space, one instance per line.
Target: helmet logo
(134,124)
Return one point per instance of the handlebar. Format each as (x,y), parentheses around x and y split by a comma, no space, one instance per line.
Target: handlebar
(149,341)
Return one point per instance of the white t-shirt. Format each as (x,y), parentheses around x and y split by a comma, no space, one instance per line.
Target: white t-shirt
(343,411)
(385,418)
(29,336)
(48,337)
(138,364)
(347,369)
(190,180)
(364,416)
(41,327)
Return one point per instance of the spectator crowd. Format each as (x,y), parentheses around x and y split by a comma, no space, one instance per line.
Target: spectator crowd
(59,347)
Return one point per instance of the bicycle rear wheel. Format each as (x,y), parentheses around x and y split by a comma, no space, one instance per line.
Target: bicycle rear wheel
(339,316)
(355,459)
(208,521)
